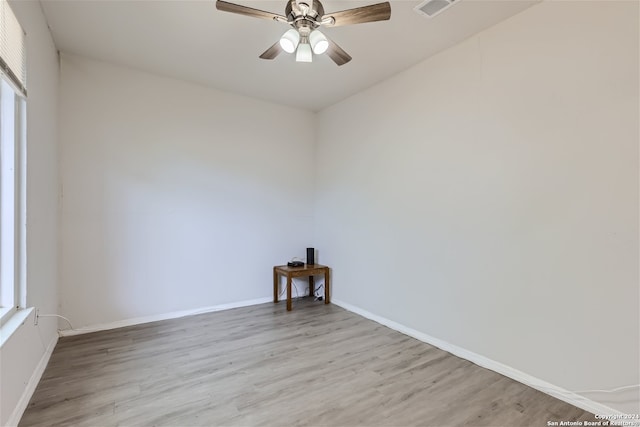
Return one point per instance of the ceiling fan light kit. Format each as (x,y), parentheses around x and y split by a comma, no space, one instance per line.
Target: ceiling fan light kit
(289,41)
(319,42)
(304,53)
(305,17)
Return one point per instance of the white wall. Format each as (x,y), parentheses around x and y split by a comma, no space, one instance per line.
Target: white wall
(24,354)
(489,196)
(175,196)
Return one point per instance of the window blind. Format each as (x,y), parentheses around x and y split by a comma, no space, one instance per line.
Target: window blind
(12,48)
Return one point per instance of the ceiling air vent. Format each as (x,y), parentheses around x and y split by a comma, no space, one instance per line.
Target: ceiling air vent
(431,8)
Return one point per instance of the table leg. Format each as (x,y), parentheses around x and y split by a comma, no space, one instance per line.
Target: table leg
(312,286)
(326,286)
(288,292)
(275,285)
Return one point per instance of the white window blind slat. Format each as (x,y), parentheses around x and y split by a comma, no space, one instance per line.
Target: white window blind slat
(12,47)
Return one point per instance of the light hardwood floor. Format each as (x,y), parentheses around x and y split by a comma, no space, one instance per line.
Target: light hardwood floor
(318,365)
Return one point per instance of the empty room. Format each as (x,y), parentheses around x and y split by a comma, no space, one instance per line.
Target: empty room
(319,213)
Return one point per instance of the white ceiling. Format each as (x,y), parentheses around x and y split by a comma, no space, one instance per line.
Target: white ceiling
(193,41)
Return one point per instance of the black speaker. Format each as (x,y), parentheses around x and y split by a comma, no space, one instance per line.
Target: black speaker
(311,256)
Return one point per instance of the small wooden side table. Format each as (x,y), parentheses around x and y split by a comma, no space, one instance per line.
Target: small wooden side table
(306,270)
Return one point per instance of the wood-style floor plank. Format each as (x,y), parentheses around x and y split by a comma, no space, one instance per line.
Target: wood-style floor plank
(317,365)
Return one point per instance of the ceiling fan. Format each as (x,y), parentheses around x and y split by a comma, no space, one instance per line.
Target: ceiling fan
(305,17)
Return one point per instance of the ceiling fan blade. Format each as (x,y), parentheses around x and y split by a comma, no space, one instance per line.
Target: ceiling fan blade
(359,15)
(337,54)
(248,11)
(272,52)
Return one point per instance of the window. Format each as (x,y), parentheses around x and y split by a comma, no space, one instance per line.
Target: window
(12,178)
(10,204)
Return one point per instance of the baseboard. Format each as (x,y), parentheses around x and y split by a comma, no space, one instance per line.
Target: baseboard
(522,377)
(163,316)
(21,406)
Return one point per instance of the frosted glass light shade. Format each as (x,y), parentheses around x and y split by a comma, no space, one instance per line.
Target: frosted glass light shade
(289,41)
(319,42)
(304,53)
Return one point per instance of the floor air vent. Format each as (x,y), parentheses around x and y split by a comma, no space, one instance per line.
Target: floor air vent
(431,8)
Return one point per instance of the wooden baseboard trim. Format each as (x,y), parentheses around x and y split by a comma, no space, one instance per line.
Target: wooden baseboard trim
(21,406)
(163,316)
(522,377)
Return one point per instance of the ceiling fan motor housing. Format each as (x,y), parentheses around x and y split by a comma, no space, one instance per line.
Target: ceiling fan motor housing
(304,17)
